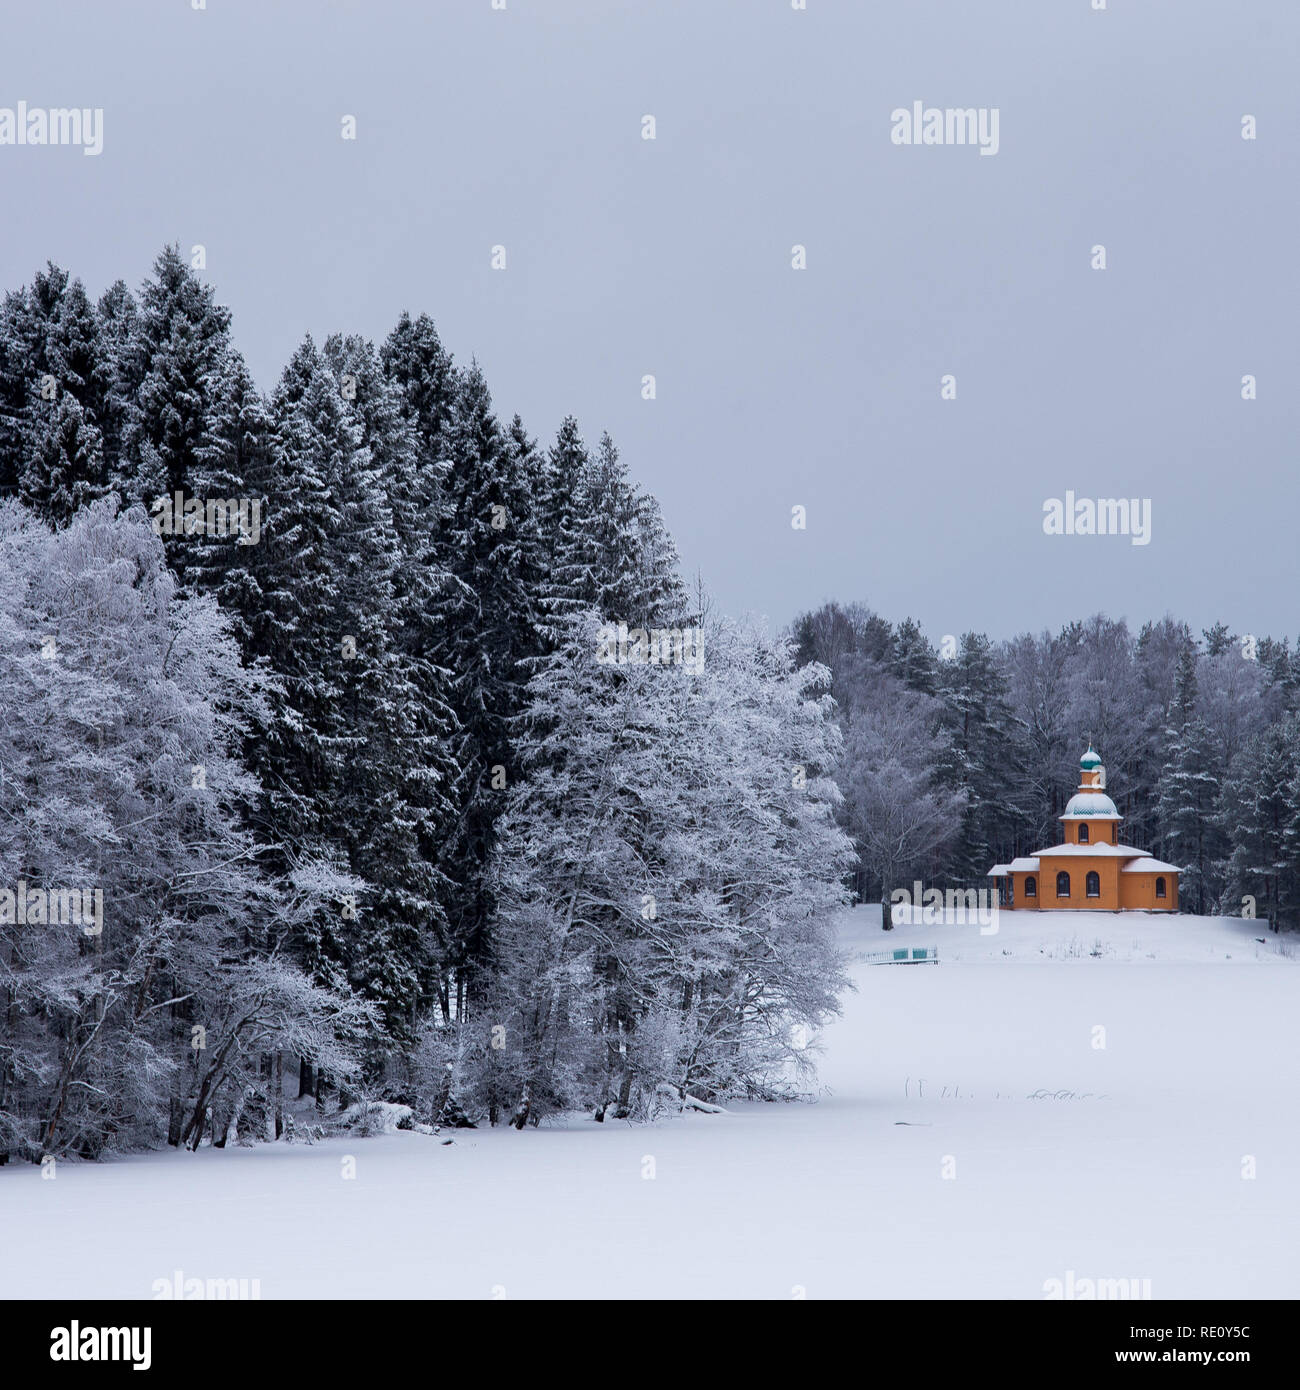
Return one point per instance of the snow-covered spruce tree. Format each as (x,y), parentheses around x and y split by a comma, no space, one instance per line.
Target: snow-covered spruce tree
(64,466)
(620,558)
(55,379)
(148,1015)
(488,634)
(1189,784)
(63,462)
(660,594)
(415,360)
(607,549)
(294,624)
(16,377)
(393,809)
(1159,649)
(170,370)
(1289,895)
(75,353)
(429,601)
(667,877)
(913,660)
(1280,673)
(231,466)
(597,556)
(1218,639)
(528,468)
(116,312)
(1257,809)
(979,763)
(564,479)
(339,754)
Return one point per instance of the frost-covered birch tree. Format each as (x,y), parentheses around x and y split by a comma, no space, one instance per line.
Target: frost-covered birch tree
(668,876)
(141,984)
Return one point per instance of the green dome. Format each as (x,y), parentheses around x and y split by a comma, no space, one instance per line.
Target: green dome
(1089,760)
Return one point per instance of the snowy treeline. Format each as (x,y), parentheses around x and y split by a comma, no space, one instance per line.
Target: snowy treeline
(369,817)
(957,761)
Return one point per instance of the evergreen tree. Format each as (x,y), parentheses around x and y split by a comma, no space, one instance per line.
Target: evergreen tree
(415,360)
(978,762)
(17,377)
(55,377)
(660,595)
(231,464)
(116,312)
(296,628)
(1188,791)
(561,518)
(1218,639)
(63,463)
(1256,810)
(489,634)
(77,357)
(48,349)
(913,660)
(170,372)
(392,810)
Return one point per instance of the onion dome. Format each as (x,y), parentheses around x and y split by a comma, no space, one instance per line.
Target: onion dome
(1095,805)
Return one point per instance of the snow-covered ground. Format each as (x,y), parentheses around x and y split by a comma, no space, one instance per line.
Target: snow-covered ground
(1115,1162)
(1048,938)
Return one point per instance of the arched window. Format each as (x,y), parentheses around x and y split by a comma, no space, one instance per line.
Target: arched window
(1031,887)
(1160,888)
(1092,885)
(1083,833)
(1063,884)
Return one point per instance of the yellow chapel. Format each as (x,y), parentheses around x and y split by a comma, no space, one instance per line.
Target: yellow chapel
(1091,869)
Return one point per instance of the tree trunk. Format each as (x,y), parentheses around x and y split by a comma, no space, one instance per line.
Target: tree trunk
(305,1079)
(174,1119)
(624,1093)
(52,1128)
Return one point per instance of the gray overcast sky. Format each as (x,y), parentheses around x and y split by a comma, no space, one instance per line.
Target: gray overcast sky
(775,387)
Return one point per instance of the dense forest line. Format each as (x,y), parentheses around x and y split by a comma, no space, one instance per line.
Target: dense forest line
(304,688)
(960,755)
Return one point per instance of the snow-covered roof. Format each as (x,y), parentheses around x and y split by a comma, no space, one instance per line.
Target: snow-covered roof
(1103,850)
(1150,866)
(1095,805)
(1028,863)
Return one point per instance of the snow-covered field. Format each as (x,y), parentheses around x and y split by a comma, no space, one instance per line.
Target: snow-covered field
(1115,1162)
